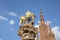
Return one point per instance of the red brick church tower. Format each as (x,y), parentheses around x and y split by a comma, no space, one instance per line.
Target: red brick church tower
(45,30)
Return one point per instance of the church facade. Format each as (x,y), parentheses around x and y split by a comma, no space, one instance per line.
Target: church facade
(46,32)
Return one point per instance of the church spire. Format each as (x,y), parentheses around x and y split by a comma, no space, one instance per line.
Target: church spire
(51,32)
(51,35)
(41,17)
(42,27)
(46,32)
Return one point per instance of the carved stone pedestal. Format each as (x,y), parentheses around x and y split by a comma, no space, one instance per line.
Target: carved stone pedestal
(27,33)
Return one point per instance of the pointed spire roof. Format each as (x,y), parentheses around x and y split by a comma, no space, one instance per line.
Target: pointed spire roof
(41,15)
(41,18)
(51,32)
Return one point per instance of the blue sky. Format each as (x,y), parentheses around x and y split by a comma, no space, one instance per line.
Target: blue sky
(11,10)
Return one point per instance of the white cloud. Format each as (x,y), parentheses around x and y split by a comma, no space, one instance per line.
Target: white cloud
(13,14)
(3,18)
(36,26)
(56,32)
(11,21)
(0,38)
(39,21)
